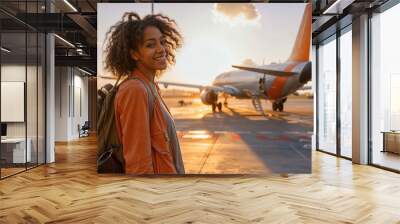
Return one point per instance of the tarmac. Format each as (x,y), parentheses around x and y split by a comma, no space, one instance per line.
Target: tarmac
(240,140)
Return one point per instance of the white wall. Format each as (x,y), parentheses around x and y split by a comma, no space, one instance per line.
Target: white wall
(17,73)
(71,93)
(14,73)
(62,78)
(34,125)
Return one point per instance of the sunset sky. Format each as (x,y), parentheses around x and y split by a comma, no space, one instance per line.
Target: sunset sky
(216,36)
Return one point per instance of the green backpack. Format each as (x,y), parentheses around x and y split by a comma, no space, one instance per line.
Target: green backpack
(110,156)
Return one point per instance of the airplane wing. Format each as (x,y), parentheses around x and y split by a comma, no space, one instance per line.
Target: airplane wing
(263,70)
(166,84)
(218,89)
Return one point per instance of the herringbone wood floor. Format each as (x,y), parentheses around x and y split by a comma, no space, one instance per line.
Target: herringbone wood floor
(70,191)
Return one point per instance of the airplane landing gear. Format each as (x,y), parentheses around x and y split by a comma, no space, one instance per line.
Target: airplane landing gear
(278,105)
(274,106)
(217,105)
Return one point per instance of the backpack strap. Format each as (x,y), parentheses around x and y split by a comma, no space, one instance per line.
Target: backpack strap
(150,96)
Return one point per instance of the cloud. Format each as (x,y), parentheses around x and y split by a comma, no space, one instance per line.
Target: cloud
(235,10)
(249,62)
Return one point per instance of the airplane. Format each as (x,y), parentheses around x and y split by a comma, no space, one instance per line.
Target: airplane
(273,82)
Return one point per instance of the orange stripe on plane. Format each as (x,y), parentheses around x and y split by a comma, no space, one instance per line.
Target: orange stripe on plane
(278,84)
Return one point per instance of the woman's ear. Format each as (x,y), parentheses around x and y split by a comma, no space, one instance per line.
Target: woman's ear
(134,55)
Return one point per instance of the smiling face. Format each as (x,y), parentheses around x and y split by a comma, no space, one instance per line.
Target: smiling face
(151,54)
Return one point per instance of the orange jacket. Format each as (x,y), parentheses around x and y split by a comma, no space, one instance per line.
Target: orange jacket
(145,144)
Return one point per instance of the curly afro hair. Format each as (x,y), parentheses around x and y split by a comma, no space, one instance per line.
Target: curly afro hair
(127,35)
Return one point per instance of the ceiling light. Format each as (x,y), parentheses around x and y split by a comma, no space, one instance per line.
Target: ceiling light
(80,51)
(5,50)
(84,71)
(338,6)
(70,5)
(65,41)
(333,6)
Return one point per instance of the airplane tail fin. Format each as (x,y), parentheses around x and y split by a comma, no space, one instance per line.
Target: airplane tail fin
(301,49)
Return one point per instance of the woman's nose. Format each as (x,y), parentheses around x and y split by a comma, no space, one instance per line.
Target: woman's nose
(161,48)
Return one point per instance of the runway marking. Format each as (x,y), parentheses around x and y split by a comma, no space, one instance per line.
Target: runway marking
(283,138)
(198,131)
(294,149)
(220,132)
(293,132)
(304,140)
(207,155)
(261,137)
(307,146)
(253,118)
(283,135)
(235,137)
(242,132)
(265,132)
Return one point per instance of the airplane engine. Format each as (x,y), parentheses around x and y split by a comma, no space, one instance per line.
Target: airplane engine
(208,97)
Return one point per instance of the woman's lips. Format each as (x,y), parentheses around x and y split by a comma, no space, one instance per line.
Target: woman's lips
(160,59)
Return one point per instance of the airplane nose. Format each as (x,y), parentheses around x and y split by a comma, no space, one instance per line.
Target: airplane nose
(305,74)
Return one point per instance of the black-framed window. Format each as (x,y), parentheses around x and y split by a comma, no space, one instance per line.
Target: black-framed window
(334,93)
(22,88)
(384,112)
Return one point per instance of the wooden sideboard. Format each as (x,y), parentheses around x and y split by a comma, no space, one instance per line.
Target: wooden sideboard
(391,141)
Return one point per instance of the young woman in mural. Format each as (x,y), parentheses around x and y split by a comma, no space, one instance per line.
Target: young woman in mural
(144,48)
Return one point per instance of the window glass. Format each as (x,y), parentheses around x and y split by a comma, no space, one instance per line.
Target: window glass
(327,96)
(346,94)
(385,84)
